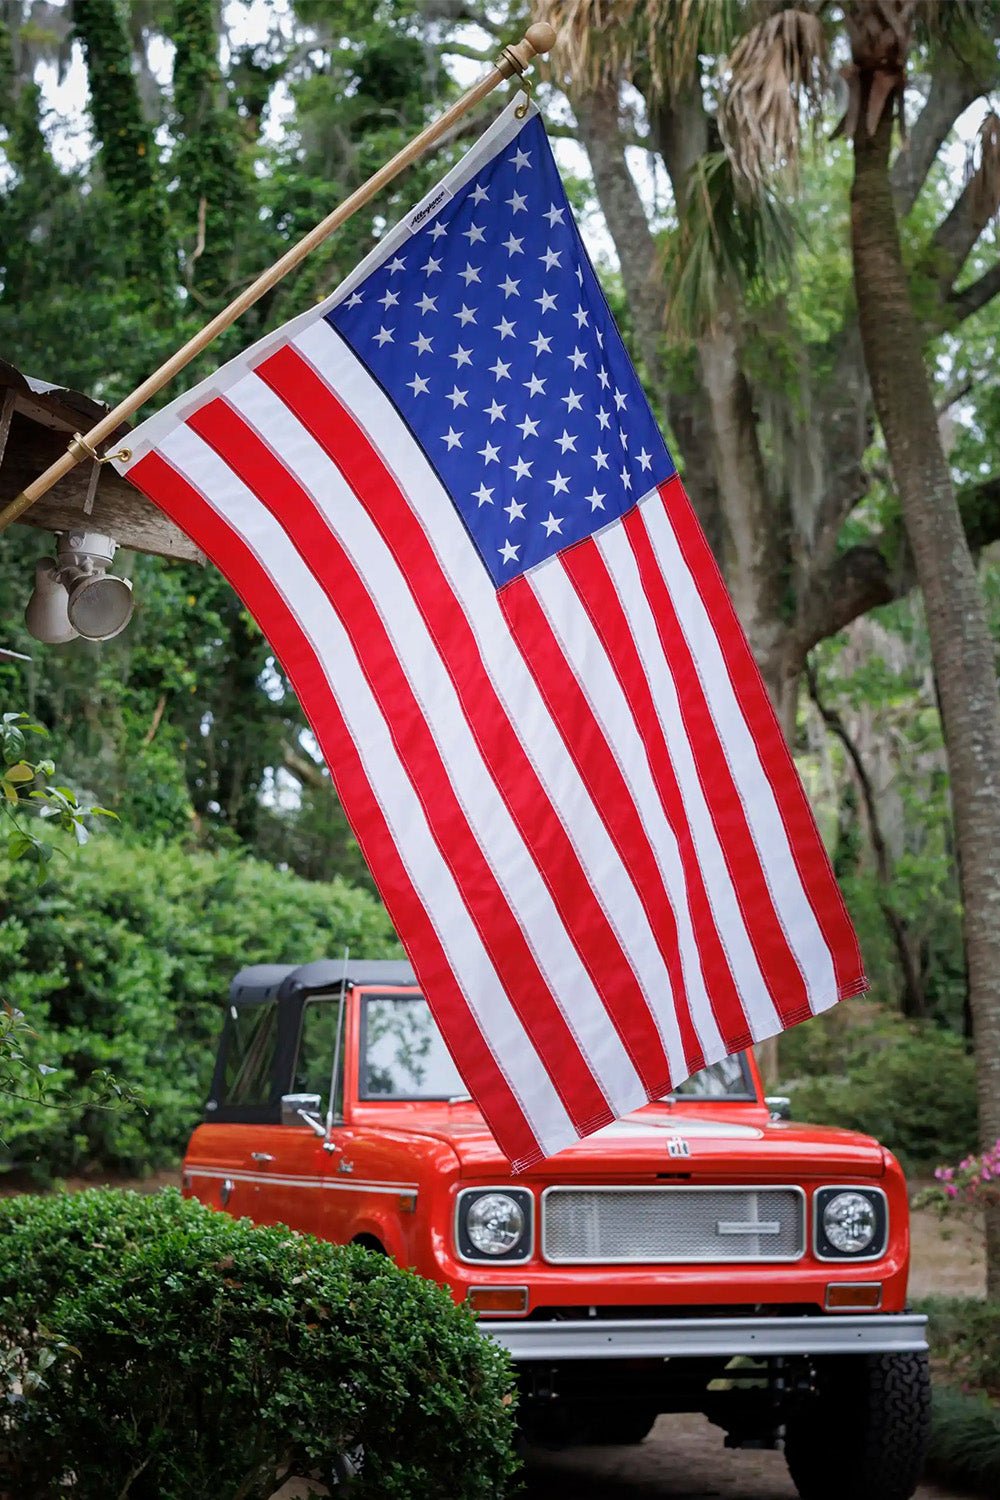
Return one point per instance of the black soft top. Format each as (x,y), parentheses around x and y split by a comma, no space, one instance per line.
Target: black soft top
(261,982)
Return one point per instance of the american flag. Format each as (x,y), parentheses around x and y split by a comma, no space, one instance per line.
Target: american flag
(443,496)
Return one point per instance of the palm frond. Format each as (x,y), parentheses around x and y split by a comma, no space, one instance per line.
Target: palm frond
(983,168)
(730,244)
(776,74)
(654,43)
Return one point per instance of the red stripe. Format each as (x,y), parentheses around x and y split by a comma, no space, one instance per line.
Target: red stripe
(595,940)
(807,849)
(600,598)
(587,743)
(778,965)
(249,457)
(187,507)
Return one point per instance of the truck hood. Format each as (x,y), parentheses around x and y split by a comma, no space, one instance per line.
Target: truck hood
(663,1142)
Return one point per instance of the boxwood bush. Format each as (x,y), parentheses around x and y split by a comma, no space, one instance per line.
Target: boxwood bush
(196,1355)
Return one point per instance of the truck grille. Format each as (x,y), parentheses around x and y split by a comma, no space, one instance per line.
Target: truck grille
(667,1224)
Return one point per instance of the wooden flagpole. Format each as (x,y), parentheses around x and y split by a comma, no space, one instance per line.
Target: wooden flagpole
(538,39)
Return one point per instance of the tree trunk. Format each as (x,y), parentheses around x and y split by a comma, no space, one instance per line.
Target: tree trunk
(961,645)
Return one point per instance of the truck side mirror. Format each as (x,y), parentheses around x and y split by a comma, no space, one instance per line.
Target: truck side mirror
(780,1106)
(302,1109)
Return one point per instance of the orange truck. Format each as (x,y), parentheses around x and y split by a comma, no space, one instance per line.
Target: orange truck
(704,1254)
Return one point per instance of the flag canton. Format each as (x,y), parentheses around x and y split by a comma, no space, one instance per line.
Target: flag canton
(491,335)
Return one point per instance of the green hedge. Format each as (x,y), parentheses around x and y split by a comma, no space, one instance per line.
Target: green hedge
(911,1085)
(195,1355)
(122,961)
(965,1441)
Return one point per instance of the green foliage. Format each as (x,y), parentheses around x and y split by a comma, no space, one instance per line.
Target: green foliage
(123,966)
(965,1441)
(964,1335)
(909,1084)
(208,1357)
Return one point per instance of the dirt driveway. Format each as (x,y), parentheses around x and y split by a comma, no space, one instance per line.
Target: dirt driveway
(683,1459)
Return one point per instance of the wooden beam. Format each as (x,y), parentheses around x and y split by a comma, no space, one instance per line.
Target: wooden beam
(117,508)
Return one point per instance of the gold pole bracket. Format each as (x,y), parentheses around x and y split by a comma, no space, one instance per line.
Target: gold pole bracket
(81,449)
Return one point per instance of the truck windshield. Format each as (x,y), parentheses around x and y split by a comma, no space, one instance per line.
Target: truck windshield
(728,1079)
(403,1055)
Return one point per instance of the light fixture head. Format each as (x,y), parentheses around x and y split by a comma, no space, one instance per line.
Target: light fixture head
(76,595)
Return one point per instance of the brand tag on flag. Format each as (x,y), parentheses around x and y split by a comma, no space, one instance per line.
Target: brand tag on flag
(444,498)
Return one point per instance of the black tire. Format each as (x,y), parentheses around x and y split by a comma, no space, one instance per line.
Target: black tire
(863,1429)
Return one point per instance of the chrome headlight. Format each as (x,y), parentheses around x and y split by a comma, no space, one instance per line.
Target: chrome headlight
(851,1223)
(494,1224)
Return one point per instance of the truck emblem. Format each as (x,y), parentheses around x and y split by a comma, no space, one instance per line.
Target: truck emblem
(678,1146)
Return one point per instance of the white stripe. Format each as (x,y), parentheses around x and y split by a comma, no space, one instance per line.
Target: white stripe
(428,872)
(485,810)
(526,709)
(613,544)
(763,814)
(583,649)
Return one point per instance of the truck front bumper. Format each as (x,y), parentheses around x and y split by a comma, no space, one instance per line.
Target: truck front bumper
(661,1338)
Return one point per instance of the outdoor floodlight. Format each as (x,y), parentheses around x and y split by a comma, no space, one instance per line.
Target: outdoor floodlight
(76,595)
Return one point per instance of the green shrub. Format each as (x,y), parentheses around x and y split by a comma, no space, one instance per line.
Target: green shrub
(211,1358)
(965,1441)
(909,1084)
(964,1335)
(123,963)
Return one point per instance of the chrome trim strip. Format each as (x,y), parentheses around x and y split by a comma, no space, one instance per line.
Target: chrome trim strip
(272,1179)
(598,1338)
(847,1187)
(675,1260)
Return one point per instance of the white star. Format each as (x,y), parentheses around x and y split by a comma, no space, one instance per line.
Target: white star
(471,273)
(623,437)
(534,386)
(626,479)
(466,315)
(473,234)
(422,344)
(573,402)
(581,317)
(504,328)
(500,371)
(546,301)
(551,258)
(354,299)
(456,397)
(528,427)
(479,194)
(577,358)
(508,553)
(554,216)
(552,523)
(389,300)
(560,484)
(601,459)
(520,159)
(490,454)
(428,304)
(604,418)
(418,385)
(646,459)
(396,265)
(461,357)
(603,377)
(619,400)
(541,344)
(431,265)
(566,442)
(600,337)
(579,276)
(596,500)
(512,245)
(495,412)
(518,204)
(515,510)
(438,231)
(384,336)
(452,438)
(483,495)
(521,470)
(509,288)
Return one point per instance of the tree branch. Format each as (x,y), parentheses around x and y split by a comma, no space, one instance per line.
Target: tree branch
(961,305)
(304,769)
(950,93)
(952,241)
